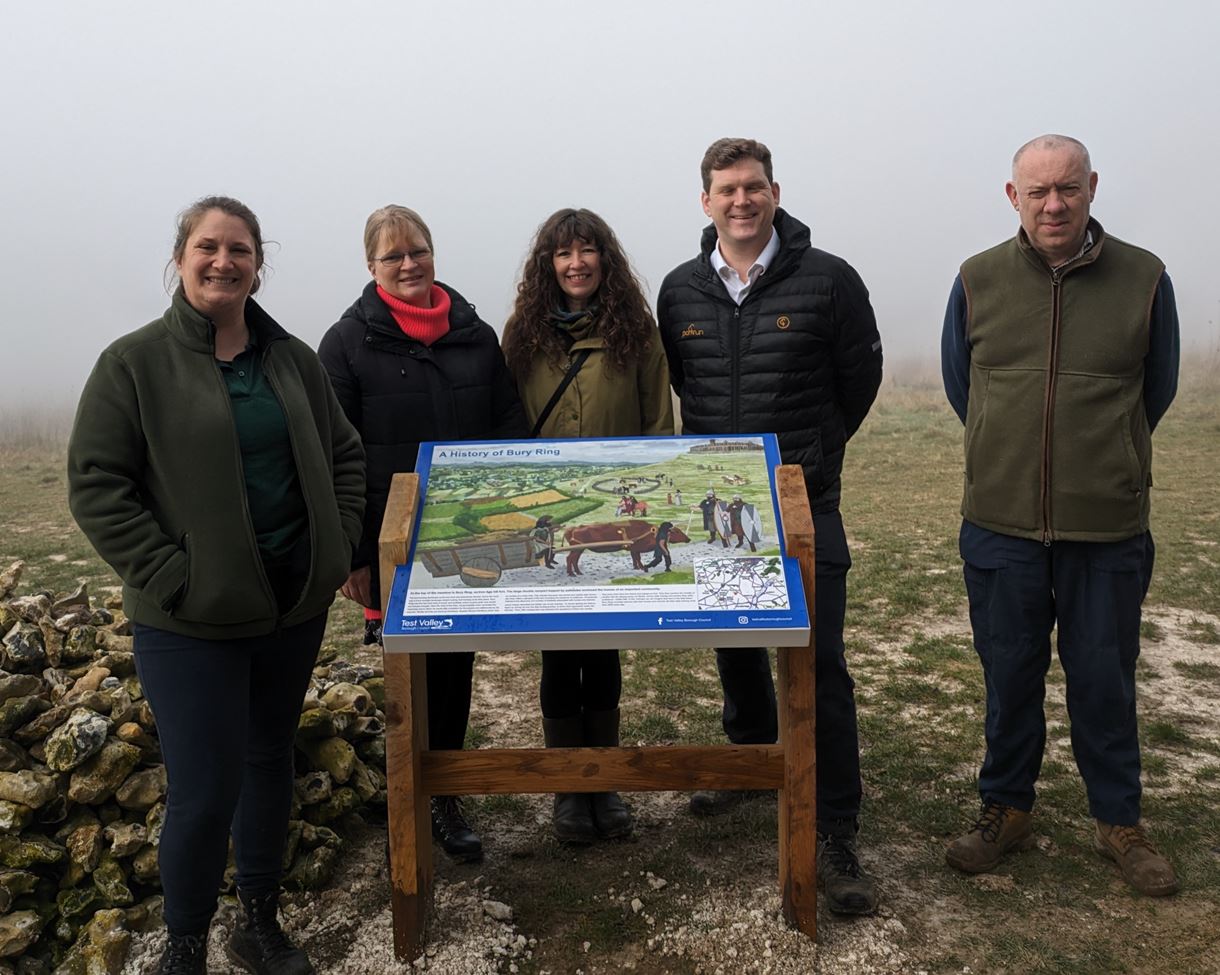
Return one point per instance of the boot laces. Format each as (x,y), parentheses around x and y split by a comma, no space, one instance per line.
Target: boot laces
(181,953)
(449,811)
(839,856)
(272,941)
(991,821)
(1127,838)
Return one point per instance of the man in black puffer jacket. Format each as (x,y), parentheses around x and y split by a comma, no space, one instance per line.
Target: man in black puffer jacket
(766,334)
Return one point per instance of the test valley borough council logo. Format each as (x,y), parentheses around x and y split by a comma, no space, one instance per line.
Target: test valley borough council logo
(690,331)
(428,623)
(783,321)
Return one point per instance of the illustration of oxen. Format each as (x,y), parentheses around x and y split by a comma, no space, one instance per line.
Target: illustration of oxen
(635,537)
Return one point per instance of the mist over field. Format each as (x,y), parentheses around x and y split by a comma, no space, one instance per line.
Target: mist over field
(892,127)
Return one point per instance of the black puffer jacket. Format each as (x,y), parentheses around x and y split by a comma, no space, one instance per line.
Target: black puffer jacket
(398,392)
(800,357)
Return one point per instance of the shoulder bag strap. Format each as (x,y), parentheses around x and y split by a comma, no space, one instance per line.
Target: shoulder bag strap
(577,361)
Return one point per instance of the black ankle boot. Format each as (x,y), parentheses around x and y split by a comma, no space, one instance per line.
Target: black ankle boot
(573,816)
(450,829)
(611,817)
(258,943)
(610,814)
(573,819)
(184,954)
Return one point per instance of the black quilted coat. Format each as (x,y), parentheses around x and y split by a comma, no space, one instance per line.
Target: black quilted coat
(398,392)
(800,357)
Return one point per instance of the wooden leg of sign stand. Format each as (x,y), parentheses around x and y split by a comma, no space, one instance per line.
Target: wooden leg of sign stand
(406,739)
(798,875)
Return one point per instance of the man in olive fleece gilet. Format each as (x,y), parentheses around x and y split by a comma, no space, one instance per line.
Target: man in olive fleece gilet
(1060,355)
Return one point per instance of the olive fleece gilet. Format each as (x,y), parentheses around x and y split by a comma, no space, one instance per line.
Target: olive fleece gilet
(1057,440)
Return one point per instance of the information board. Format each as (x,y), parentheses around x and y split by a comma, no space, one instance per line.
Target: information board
(587,544)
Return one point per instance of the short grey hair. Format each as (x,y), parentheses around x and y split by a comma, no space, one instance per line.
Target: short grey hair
(1053,141)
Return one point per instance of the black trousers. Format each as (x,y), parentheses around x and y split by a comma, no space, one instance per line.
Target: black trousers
(227,713)
(450,677)
(749,690)
(1019,590)
(579,680)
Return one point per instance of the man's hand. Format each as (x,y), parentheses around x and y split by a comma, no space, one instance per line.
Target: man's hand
(357,587)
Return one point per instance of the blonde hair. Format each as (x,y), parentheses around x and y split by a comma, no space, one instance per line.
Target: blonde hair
(393,220)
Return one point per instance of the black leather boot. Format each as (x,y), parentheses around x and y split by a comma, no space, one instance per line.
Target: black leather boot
(185,954)
(848,889)
(573,814)
(611,816)
(450,829)
(258,943)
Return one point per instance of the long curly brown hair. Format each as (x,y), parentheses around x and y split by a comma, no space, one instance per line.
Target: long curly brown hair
(623,318)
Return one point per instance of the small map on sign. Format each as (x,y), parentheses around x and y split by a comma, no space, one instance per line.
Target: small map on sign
(740,583)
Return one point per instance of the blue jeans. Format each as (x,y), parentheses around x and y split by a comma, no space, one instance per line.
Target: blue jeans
(227,713)
(1019,589)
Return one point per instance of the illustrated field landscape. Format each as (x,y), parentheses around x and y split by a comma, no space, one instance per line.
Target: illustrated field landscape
(474,512)
(698,897)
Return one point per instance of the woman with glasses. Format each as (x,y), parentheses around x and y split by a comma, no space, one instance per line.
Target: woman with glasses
(411,361)
(581,326)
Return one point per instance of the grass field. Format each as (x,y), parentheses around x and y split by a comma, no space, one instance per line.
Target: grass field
(1057,909)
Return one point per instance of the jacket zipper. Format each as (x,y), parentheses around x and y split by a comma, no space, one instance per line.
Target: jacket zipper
(296,459)
(735,368)
(1052,375)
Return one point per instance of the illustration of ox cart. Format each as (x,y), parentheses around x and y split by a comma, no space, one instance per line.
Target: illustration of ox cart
(481,563)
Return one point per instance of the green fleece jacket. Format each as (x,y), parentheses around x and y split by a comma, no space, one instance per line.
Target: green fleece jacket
(1058,444)
(155,477)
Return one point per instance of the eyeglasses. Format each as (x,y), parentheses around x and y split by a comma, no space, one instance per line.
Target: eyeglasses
(421,255)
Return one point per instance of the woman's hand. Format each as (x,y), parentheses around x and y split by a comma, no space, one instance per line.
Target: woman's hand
(357,587)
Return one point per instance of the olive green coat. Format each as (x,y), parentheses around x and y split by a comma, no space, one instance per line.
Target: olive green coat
(601,402)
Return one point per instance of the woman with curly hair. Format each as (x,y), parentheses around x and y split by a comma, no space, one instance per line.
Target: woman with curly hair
(587,358)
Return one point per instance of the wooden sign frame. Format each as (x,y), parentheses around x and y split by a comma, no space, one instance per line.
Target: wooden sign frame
(415,774)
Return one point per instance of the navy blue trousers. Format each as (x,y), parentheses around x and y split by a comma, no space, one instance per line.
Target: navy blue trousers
(227,713)
(1019,589)
(749,690)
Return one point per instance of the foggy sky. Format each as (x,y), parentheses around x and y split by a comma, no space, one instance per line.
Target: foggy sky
(891,124)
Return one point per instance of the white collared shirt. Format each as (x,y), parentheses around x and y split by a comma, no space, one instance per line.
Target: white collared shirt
(733,284)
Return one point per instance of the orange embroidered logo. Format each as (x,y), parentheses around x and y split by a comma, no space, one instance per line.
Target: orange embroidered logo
(690,331)
(783,321)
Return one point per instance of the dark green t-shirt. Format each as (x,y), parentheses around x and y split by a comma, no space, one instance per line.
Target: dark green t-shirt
(273,489)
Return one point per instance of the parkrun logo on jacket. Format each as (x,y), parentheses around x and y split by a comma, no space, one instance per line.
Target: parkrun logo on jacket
(690,331)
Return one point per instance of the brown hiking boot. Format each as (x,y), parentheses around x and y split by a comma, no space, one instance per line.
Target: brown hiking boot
(1143,867)
(998,830)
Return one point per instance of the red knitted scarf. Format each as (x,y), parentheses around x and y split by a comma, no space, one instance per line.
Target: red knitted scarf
(425,325)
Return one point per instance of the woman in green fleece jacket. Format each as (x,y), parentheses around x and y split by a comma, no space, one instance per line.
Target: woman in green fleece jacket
(211,466)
